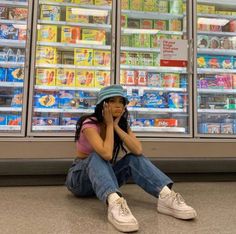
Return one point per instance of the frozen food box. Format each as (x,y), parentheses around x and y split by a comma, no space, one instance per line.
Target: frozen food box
(2,74)
(146,24)
(155,39)
(65,77)
(3,119)
(15,74)
(16,13)
(156,59)
(87,2)
(102,58)
(124,21)
(47,33)
(9,31)
(136,5)
(165,122)
(175,100)
(134,99)
(46,76)
(142,78)
(154,79)
(70,34)
(17,98)
(125,40)
(14,120)
(67,57)
(129,78)
(3,12)
(210,128)
(176,6)
(103,2)
(132,58)
(83,57)
(45,121)
(203,41)
(22,34)
(146,59)
(46,55)
(154,100)
(150,5)
(67,99)
(160,24)
(86,99)
(69,120)
(74,14)
(142,122)
(46,99)
(94,35)
(227,128)
(49,12)
(163,6)
(133,23)
(100,20)
(84,78)
(171,80)
(175,25)
(102,78)
(125,4)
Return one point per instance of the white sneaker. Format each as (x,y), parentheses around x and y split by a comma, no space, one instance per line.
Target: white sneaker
(121,217)
(173,204)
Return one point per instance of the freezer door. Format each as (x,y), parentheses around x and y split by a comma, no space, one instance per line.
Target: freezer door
(15,21)
(154,66)
(72,58)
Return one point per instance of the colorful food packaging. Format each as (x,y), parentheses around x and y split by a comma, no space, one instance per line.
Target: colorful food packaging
(15,74)
(102,58)
(84,78)
(46,99)
(67,99)
(171,80)
(17,98)
(154,79)
(14,120)
(160,24)
(146,24)
(3,12)
(94,35)
(136,5)
(45,76)
(124,21)
(83,57)
(103,2)
(2,74)
(176,6)
(165,122)
(49,12)
(175,25)
(70,34)
(102,78)
(73,14)
(16,13)
(45,121)
(46,55)
(125,4)
(65,77)
(163,6)
(150,5)
(47,33)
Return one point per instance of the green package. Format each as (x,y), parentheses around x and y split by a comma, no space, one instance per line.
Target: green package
(136,5)
(141,40)
(125,40)
(146,59)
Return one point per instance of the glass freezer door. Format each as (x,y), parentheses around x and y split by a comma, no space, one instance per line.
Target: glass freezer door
(15,19)
(159,95)
(216,68)
(72,51)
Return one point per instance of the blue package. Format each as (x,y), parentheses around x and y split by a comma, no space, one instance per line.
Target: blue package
(175,100)
(3,120)
(17,99)
(154,100)
(69,120)
(14,120)
(46,100)
(8,31)
(3,73)
(45,121)
(67,99)
(15,74)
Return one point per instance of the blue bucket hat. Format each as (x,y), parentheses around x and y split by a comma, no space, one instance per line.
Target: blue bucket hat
(111,91)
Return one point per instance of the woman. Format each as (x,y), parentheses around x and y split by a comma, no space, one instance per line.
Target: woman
(96,171)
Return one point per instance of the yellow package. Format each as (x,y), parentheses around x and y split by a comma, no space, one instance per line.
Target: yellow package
(103,2)
(123,77)
(50,13)
(83,57)
(45,76)
(125,4)
(94,35)
(136,5)
(84,78)
(74,14)
(86,2)
(175,25)
(65,77)
(70,34)
(150,5)
(46,55)
(101,58)
(47,33)
(102,78)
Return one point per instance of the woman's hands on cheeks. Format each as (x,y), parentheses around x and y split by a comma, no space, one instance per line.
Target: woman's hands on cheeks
(107,115)
(116,121)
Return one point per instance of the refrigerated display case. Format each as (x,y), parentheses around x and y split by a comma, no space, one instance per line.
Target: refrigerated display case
(160,98)
(72,46)
(15,22)
(215,79)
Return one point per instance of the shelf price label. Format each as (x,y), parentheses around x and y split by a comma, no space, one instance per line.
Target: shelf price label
(173,53)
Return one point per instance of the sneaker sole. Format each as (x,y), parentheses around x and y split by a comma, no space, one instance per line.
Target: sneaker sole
(177,214)
(123,227)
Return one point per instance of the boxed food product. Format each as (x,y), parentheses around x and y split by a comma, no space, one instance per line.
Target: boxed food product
(141,40)
(146,59)
(124,21)
(160,24)
(102,58)
(16,13)
(102,78)
(45,76)
(150,5)
(163,6)
(15,74)
(171,80)
(9,31)
(134,99)
(84,78)
(125,40)
(88,2)
(227,128)
(155,39)
(175,100)
(46,55)
(129,78)
(3,119)
(133,23)
(142,78)
(47,33)
(69,120)
(17,98)
(154,79)
(125,4)
(73,14)
(3,12)
(154,100)
(146,24)
(45,121)
(49,12)
(156,59)
(142,122)
(46,99)
(132,58)
(2,74)
(103,2)
(65,77)
(211,128)
(165,122)
(70,34)
(202,41)
(136,5)
(100,20)
(83,57)
(175,25)
(67,99)
(224,81)
(94,35)
(22,35)
(176,6)
(14,120)
(67,57)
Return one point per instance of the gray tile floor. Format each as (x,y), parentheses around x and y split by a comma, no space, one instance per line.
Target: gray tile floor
(53,210)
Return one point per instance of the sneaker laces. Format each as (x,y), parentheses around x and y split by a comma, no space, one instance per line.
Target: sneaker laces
(124,209)
(177,197)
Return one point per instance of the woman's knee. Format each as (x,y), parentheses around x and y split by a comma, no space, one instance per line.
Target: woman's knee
(132,158)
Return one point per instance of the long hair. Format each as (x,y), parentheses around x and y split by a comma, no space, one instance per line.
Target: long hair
(97,118)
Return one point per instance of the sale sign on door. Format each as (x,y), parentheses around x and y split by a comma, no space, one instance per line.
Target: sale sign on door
(173,53)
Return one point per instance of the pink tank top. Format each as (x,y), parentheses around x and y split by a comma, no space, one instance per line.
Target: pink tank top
(82,144)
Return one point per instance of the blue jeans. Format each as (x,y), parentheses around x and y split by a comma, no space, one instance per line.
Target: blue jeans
(95,176)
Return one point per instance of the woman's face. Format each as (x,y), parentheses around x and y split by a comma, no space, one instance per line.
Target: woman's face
(117,105)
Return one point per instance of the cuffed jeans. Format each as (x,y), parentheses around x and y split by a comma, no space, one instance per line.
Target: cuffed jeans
(95,176)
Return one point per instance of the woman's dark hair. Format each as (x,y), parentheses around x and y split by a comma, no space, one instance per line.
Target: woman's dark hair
(123,124)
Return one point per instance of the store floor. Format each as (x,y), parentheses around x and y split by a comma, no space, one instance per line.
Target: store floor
(54,210)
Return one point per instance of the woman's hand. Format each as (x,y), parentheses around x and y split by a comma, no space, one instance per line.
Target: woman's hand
(117,120)
(107,115)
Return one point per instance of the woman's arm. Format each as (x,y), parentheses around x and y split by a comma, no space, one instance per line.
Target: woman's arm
(129,139)
(103,147)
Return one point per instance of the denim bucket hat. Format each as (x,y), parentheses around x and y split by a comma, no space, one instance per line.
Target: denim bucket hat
(111,91)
